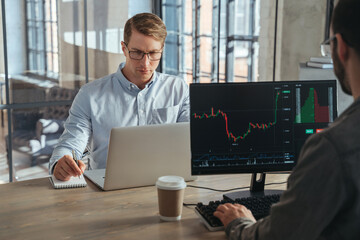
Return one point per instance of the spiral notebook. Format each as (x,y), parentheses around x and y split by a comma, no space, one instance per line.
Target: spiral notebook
(74,182)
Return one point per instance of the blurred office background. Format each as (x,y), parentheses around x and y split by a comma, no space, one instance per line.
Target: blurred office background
(50,48)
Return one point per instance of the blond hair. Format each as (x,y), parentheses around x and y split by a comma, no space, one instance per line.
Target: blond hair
(146,23)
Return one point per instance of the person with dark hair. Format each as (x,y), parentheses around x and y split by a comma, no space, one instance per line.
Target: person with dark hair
(322,197)
(135,95)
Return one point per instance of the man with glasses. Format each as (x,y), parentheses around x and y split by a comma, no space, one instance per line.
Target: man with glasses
(135,95)
(323,196)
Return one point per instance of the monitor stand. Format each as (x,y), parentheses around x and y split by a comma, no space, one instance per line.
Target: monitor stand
(256,189)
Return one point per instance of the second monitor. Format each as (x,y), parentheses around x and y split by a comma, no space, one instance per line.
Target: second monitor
(256,127)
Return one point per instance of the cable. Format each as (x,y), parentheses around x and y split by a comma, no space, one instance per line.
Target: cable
(224,190)
(218,190)
(189,204)
(275,183)
(232,189)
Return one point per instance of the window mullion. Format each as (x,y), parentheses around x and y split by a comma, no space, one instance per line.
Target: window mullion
(196,40)
(251,45)
(230,28)
(44,35)
(181,39)
(34,37)
(51,37)
(215,41)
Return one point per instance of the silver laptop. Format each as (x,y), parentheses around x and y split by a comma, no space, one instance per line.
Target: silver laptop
(137,156)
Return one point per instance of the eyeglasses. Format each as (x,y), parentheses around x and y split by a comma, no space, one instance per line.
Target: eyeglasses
(138,55)
(327,41)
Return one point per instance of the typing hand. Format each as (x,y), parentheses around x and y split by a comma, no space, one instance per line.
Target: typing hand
(229,212)
(66,168)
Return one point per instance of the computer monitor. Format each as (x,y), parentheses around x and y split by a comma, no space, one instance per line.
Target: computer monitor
(256,127)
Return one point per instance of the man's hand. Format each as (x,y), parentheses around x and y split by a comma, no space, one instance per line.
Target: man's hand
(229,212)
(66,168)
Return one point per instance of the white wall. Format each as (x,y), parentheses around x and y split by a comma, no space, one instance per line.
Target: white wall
(301,27)
(300,30)
(266,39)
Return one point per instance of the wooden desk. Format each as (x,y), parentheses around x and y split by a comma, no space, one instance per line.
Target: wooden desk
(34,210)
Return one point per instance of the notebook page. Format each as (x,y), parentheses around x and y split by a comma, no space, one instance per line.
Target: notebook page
(74,182)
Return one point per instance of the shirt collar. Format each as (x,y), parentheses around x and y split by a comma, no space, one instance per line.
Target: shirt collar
(129,85)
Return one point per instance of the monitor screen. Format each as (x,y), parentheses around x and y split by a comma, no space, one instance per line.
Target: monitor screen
(256,127)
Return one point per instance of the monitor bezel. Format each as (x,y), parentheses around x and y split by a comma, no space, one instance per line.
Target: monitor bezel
(257,169)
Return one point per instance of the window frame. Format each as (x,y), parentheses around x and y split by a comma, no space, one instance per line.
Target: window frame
(230,38)
(38,61)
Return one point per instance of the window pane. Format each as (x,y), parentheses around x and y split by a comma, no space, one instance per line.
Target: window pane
(4,175)
(39,10)
(53,9)
(255,68)
(48,12)
(56,61)
(27,146)
(35,133)
(31,36)
(243,26)
(222,61)
(40,36)
(205,59)
(241,62)
(50,65)
(242,17)
(34,66)
(48,36)
(171,49)
(188,16)
(4,166)
(106,20)
(188,58)
(206,17)
(28,10)
(55,37)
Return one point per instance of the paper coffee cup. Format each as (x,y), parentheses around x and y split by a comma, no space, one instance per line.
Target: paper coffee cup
(170,197)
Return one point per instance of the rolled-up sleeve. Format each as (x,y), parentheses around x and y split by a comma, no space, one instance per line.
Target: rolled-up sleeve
(77,130)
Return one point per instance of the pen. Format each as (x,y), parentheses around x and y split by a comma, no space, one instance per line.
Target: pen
(75,159)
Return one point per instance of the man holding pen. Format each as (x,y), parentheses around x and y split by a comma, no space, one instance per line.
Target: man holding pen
(135,95)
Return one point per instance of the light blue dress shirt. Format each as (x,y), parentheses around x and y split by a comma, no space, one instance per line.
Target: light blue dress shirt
(113,101)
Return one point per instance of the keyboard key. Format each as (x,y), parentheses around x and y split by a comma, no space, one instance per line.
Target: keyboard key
(259,206)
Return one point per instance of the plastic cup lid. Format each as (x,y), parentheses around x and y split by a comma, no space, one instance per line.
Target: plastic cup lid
(170,183)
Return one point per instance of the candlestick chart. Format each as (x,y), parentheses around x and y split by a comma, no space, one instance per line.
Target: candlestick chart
(251,126)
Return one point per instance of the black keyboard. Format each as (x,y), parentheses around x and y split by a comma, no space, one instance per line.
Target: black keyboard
(259,206)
